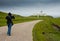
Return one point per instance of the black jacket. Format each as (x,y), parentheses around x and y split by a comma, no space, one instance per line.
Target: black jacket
(9,19)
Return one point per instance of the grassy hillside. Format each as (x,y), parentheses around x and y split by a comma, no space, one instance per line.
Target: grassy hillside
(2,18)
(18,19)
(44,31)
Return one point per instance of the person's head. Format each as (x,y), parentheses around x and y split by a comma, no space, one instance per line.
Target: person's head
(9,14)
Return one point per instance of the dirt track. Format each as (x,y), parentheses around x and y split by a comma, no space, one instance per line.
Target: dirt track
(20,32)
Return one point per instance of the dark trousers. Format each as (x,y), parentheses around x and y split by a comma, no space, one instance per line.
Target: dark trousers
(9,29)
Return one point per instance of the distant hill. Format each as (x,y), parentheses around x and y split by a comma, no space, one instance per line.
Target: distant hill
(40,16)
(5,14)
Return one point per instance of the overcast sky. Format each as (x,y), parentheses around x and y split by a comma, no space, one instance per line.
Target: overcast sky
(28,7)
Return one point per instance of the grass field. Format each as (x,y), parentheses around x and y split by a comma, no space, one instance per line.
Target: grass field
(44,31)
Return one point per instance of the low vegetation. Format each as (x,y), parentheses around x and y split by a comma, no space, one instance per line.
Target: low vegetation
(44,31)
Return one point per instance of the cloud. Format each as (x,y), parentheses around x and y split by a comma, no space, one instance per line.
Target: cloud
(25,2)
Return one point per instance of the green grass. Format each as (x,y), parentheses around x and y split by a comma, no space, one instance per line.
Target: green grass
(51,34)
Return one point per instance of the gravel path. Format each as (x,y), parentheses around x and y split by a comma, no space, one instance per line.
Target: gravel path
(20,32)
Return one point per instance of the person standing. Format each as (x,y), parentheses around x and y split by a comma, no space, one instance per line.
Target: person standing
(9,18)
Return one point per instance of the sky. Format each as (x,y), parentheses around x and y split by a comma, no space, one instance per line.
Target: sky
(31,7)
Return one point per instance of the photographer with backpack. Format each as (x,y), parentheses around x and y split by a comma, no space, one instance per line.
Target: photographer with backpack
(9,23)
